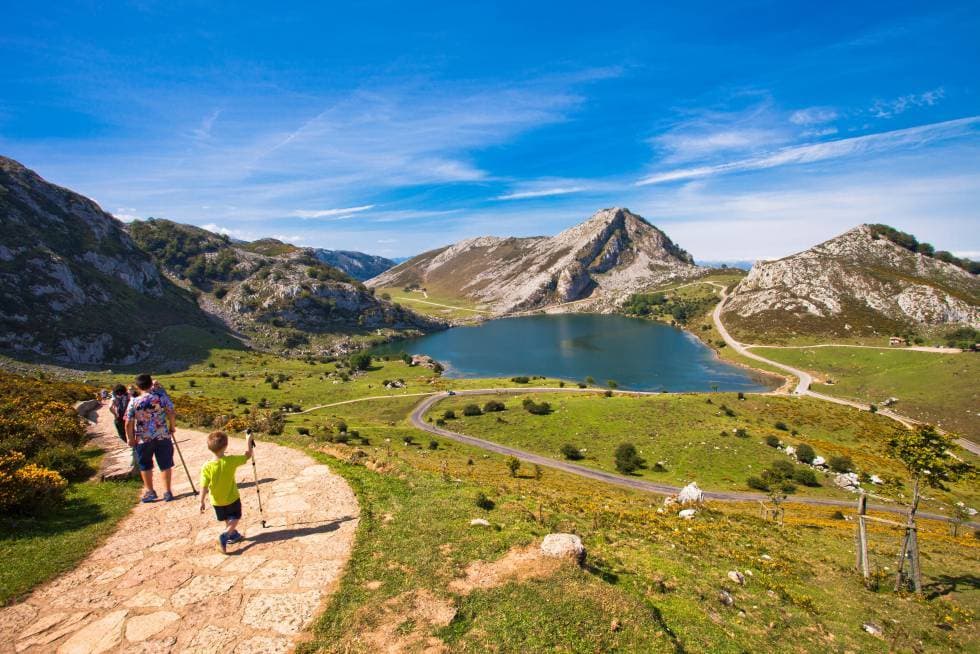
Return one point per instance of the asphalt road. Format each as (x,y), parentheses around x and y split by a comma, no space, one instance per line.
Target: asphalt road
(418,421)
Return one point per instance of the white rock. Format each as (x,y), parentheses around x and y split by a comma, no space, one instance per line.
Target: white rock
(687,514)
(691,494)
(564,546)
(736,577)
(875,479)
(766,557)
(819,461)
(726,598)
(847,481)
(872,629)
(790,450)
(479,522)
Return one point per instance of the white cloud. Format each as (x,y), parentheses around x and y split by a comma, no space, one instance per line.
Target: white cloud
(336,214)
(817,133)
(813,116)
(126,214)
(542,193)
(890,108)
(801,154)
(218,229)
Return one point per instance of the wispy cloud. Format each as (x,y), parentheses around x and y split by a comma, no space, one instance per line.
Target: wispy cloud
(801,154)
(890,108)
(813,116)
(542,193)
(332,213)
(126,214)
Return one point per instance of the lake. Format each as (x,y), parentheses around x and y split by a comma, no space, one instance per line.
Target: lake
(638,354)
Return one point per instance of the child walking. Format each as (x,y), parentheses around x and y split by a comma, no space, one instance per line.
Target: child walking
(218,482)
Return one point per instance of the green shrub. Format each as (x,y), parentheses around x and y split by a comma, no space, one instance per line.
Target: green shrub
(805,453)
(303,431)
(433,445)
(840,463)
(493,405)
(27,487)
(66,461)
(781,426)
(757,484)
(472,410)
(522,379)
(513,465)
(628,460)
(772,441)
(571,452)
(484,502)
(805,476)
(408,439)
(782,467)
(448,414)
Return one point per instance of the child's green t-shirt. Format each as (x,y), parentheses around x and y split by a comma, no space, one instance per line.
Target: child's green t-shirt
(219,476)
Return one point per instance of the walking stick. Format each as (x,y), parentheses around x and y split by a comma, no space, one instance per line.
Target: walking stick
(255,476)
(173,437)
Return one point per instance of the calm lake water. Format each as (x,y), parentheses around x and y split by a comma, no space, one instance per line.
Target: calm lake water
(638,354)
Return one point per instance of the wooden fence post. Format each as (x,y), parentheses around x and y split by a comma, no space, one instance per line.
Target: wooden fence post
(861,535)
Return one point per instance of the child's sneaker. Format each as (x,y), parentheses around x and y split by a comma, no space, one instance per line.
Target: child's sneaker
(223,543)
(168,496)
(234,537)
(149,497)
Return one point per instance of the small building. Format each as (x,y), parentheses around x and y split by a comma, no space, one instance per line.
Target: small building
(897,341)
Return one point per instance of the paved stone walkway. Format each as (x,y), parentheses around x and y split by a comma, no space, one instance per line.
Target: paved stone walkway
(159,583)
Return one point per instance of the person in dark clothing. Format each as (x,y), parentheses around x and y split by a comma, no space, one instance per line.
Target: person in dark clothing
(120,402)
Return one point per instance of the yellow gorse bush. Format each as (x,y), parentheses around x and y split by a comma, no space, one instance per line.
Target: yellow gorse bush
(26,486)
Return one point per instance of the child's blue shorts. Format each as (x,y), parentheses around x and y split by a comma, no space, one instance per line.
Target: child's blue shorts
(231,511)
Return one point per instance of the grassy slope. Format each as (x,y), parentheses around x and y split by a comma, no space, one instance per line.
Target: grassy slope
(655,574)
(35,549)
(417,301)
(937,388)
(685,433)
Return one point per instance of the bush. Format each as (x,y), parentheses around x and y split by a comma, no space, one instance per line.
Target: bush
(841,464)
(741,395)
(805,476)
(607,394)
(492,406)
(837,515)
(571,452)
(27,487)
(360,361)
(521,379)
(303,431)
(628,460)
(757,484)
(781,426)
(513,464)
(805,453)
(433,445)
(536,408)
(741,433)
(448,414)
(772,441)
(782,467)
(241,399)
(612,383)
(66,461)
(472,410)
(484,502)
(408,439)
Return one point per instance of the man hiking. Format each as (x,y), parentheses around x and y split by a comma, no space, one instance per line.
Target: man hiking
(149,429)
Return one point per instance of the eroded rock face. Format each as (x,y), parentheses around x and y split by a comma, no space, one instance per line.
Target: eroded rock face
(853,283)
(604,259)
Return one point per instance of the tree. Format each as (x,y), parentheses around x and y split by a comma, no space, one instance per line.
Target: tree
(628,460)
(840,463)
(360,361)
(513,464)
(805,453)
(925,454)
(472,410)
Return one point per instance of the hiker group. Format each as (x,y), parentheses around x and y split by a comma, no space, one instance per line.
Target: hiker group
(144,419)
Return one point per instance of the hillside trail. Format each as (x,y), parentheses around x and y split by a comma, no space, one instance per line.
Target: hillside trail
(160,584)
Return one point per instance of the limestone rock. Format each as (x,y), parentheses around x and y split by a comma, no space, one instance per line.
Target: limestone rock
(285,613)
(736,577)
(691,494)
(141,627)
(479,522)
(687,514)
(96,637)
(564,546)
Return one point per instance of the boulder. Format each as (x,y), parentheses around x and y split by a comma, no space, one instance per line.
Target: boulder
(875,479)
(687,514)
(86,407)
(847,481)
(736,577)
(479,522)
(790,450)
(566,546)
(819,461)
(726,598)
(691,494)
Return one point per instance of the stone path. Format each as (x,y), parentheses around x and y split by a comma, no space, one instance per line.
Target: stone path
(159,584)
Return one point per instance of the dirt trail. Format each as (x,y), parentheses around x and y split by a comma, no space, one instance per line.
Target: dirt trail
(159,583)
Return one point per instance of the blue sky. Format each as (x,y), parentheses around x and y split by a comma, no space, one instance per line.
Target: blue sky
(744,130)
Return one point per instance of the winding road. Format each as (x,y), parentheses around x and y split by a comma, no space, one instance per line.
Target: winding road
(417,419)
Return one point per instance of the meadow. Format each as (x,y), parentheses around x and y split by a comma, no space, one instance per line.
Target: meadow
(936,388)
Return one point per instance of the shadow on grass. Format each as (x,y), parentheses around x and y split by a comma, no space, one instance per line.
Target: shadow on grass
(946,584)
(73,514)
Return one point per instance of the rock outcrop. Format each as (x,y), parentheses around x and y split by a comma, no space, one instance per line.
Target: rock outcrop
(855,284)
(358,265)
(74,286)
(603,260)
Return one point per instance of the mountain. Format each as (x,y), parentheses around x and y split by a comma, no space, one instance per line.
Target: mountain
(74,286)
(276,294)
(869,280)
(358,265)
(604,259)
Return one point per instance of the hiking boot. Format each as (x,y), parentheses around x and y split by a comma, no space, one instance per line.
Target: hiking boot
(149,497)
(168,496)
(234,537)
(223,543)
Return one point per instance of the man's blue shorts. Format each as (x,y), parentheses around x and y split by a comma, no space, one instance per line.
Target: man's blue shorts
(160,448)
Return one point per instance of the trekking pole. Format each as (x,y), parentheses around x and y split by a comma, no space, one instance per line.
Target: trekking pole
(187,472)
(255,476)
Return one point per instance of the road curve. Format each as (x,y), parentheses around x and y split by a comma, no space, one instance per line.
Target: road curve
(805,379)
(418,421)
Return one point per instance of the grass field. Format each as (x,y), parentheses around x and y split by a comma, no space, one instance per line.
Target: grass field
(428,303)
(652,581)
(938,388)
(35,549)
(694,440)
